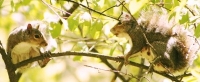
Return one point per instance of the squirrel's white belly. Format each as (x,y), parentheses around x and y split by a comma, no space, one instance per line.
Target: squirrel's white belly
(23,51)
(22,47)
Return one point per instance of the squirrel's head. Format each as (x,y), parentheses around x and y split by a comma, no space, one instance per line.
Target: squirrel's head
(126,23)
(35,36)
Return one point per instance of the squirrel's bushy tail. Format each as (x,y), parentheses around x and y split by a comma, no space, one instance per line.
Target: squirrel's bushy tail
(182,45)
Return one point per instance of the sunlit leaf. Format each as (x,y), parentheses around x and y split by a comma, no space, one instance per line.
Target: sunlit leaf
(85,23)
(155,1)
(1,2)
(97,0)
(194,19)
(172,15)
(12,4)
(113,49)
(136,5)
(169,4)
(176,2)
(84,27)
(96,28)
(77,58)
(185,18)
(26,2)
(197,31)
(55,32)
(73,22)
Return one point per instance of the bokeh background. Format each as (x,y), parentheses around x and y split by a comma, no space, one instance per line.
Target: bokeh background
(87,31)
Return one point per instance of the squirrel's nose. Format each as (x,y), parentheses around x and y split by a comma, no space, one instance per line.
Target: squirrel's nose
(44,44)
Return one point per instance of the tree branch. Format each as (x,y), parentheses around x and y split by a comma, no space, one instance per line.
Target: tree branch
(95,55)
(9,65)
(140,73)
(117,74)
(72,9)
(11,69)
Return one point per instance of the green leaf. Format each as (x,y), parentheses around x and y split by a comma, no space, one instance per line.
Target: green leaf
(96,28)
(136,5)
(113,48)
(55,32)
(77,58)
(185,18)
(197,31)
(97,0)
(12,4)
(85,27)
(172,15)
(155,1)
(85,23)
(73,22)
(26,2)
(1,2)
(194,19)
(169,5)
(176,2)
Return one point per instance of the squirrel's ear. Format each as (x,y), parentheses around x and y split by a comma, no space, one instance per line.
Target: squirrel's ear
(125,17)
(29,28)
(38,27)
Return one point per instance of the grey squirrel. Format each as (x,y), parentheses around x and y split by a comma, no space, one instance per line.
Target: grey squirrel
(168,46)
(26,42)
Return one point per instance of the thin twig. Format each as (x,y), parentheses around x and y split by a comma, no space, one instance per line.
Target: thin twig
(119,68)
(115,71)
(112,68)
(195,26)
(92,9)
(88,6)
(105,61)
(123,5)
(49,6)
(161,4)
(113,7)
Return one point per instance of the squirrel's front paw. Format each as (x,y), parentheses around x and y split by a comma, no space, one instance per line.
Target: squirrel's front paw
(47,54)
(46,59)
(126,62)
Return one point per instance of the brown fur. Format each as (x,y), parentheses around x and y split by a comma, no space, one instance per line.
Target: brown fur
(175,45)
(31,35)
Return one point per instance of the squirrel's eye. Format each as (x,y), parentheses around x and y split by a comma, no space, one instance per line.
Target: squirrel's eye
(37,36)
